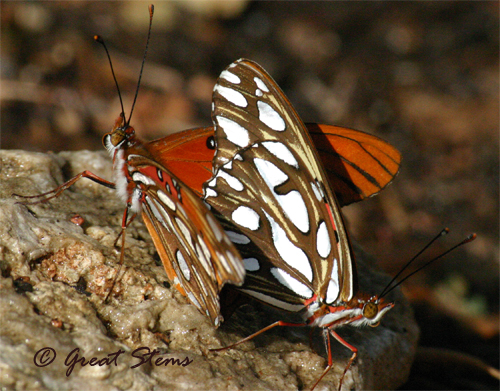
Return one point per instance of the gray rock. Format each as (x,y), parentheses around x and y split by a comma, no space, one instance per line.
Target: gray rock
(44,257)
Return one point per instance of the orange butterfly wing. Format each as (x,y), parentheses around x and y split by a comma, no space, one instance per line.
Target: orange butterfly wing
(358,164)
(186,155)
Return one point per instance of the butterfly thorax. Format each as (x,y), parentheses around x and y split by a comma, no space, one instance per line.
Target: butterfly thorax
(361,310)
(121,143)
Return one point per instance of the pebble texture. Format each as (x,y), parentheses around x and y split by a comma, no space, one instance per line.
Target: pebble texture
(55,275)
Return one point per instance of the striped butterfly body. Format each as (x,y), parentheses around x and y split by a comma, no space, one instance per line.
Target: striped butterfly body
(272,195)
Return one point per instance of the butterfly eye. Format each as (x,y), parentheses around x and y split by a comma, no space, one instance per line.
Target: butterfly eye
(210,142)
(370,311)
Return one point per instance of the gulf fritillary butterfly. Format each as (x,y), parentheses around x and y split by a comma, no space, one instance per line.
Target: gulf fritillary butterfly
(198,255)
(272,195)
(158,178)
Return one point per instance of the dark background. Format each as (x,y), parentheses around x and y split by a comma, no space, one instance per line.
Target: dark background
(421,75)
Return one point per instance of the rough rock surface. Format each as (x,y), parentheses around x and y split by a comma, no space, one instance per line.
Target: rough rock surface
(55,275)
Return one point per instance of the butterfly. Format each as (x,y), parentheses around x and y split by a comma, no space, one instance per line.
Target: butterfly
(272,194)
(149,175)
(197,254)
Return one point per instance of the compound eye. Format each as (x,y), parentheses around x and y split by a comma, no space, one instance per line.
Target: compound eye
(370,310)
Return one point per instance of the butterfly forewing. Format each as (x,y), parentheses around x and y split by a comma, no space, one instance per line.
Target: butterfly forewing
(258,129)
(197,254)
(187,154)
(358,164)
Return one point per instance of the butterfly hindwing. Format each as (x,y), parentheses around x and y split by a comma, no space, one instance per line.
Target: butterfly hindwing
(196,253)
(276,207)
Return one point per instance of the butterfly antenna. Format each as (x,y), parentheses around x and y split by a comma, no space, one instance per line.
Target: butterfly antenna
(151,11)
(98,39)
(468,239)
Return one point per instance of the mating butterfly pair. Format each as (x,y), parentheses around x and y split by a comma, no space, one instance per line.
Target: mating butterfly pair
(272,199)
(271,194)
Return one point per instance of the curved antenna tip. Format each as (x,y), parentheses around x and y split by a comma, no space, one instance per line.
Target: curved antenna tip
(445,231)
(98,38)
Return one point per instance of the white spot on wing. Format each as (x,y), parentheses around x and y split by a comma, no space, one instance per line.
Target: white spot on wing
(270,117)
(292,203)
(203,259)
(230,77)
(193,300)
(316,191)
(271,174)
(260,84)
(216,229)
(246,217)
(210,193)
(232,181)
(212,182)
(273,301)
(251,264)
(223,260)
(183,265)
(228,165)
(185,231)
(282,152)
(205,250)
(292,283)
(332,292)
(235,133)
(166,200)
(200,282)
(160,214)
(289,252)
(323,244)
(237,237)
(139,177)
(233,96)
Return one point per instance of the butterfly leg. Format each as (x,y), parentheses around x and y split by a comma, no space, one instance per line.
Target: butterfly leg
(354,350)
(125,224)
(122,232)
(278,323)
(58,190)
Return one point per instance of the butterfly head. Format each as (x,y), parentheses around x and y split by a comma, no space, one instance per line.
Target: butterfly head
(120,137)
(373,310)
